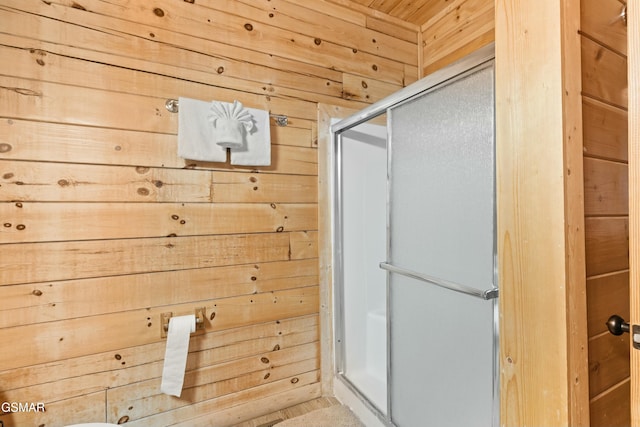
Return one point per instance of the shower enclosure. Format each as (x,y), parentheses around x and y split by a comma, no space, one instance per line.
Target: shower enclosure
(415,285)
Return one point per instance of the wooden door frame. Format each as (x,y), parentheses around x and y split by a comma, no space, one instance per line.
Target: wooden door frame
(633,71)
(541,258)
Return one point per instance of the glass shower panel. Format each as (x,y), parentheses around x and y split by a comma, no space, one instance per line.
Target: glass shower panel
(441,224)
(363,154)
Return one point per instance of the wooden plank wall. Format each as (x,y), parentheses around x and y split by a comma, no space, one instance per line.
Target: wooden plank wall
(604,85)
(457,28)
(104,228)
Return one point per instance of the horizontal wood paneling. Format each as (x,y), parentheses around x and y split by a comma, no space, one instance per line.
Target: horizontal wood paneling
(601,21)
(607,244)
(416,12)
(613,407)
(248,410)
(604,74)
(232,408)
(361,89)
(359,7)
(50,182)
(139,400)
(604,89)
(44,141)
(48,301)
(456,30)
(604,130)
(46,101)
(605,187)
(608,362)
(30,222)
(96,258)
(122,364)
(77,336)
(122,367)
(203,29)
(606,295)
(103,227)
(85,407)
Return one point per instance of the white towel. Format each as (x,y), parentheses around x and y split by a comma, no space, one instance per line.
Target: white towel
(196,133)
(258,142)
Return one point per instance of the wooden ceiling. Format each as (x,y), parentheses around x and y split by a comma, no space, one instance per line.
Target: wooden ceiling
(414,11)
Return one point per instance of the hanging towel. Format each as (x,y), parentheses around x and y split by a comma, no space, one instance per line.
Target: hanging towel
(257,151)
(231,122)
(196,133)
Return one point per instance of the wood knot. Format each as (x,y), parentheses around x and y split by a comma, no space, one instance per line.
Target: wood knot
(294,380)
(158,12)
(123,419)
(248,27)
(374,67)
(143,191)
(5,148)
(317,41)
(37,292)
(142,169)
(364,84)
(220,70)
(264,360)
(63,183)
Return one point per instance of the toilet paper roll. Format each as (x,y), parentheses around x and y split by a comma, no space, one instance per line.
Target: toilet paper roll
(175,356)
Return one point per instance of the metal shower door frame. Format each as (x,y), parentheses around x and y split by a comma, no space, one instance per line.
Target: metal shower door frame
(482,58)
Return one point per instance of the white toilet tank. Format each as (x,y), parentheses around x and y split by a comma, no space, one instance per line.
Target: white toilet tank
(93,425)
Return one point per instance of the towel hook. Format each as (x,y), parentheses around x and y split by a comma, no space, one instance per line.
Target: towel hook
(280,119)
(171,105)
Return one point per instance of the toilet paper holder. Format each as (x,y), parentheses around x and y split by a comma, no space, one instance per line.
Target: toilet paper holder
(165,317)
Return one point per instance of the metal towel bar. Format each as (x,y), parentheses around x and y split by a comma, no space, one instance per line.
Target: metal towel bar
(486,295)
(173,106)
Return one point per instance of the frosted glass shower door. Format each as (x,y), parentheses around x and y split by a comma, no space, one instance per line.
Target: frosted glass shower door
(441,223)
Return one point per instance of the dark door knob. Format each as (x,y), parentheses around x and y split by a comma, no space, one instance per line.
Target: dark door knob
(617,325)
